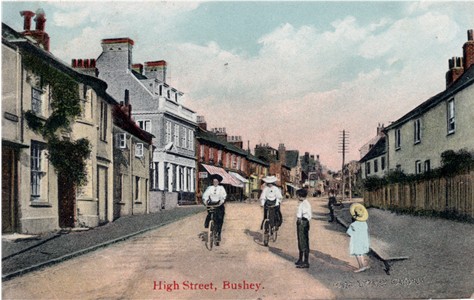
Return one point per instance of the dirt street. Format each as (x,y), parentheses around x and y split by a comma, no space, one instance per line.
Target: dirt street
(173,263)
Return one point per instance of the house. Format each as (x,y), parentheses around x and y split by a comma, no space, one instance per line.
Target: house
(157,108)
(39,195)
(277,160)
(217,156)
(373,160)
(443,122)
(133,152)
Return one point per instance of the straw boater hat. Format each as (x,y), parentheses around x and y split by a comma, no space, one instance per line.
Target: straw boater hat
(359,212)
(216,176)
(270,179)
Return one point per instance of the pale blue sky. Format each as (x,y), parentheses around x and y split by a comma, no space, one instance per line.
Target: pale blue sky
(278,72)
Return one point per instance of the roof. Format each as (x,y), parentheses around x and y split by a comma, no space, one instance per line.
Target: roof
(212,138)
(377,150)
(122,120)
(11,36)
(466,79)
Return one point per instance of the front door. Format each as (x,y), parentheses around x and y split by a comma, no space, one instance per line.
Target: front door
(66,201)
(9,190)
(102,187)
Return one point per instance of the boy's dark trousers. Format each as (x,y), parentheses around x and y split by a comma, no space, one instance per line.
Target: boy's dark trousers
(302,231)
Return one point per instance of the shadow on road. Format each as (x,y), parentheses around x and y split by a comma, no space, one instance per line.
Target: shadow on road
(256,236)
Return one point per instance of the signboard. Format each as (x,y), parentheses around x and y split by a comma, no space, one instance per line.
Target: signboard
(202,174)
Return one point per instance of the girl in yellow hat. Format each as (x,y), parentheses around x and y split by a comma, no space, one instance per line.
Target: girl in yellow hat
(359,233)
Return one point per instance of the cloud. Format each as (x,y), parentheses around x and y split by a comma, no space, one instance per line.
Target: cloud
(303,86)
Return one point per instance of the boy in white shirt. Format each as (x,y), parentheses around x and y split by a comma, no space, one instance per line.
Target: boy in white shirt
(303,215)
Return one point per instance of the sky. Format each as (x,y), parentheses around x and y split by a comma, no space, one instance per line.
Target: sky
(297,73)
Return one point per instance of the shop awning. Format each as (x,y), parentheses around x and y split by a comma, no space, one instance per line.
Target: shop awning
(226,177)
(239,177)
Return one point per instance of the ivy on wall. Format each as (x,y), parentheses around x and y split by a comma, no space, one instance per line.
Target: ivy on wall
(68,157)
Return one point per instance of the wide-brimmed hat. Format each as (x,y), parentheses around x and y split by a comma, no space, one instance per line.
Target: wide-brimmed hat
(359,212)
(270,179)
(216,176)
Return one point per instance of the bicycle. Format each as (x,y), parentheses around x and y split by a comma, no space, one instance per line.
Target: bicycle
(269,226)
(212,234)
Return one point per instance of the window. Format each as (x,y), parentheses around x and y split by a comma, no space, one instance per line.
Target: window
(188,179)
(219,156)
(397,139)
(168,132)
(211,154)
(122,140)
(154,175)
(367,170)
(376,166)
(238,163)
(137,188)
(161,90)
(191,140)
(417,129)
(103,122)
(168,94)
(427,165)
(233,162)
(36,101)
(184,137)
(176,134)
(139,150)
(382,162)
(201,147)
(418,167)
(451,117)
(37,173)
(145,125)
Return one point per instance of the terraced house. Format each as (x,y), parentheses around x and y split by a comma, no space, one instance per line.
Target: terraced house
(443,122)
(159,109)
(38,196)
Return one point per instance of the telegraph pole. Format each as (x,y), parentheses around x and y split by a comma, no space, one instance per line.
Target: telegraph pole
(343,146)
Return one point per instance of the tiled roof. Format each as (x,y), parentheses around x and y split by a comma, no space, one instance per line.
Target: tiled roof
(466,79)
(377,150)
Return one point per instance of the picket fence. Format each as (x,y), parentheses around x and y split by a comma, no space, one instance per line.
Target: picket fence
(450,194)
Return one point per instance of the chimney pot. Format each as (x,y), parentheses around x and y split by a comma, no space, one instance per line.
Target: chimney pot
(470,35)
(27,15)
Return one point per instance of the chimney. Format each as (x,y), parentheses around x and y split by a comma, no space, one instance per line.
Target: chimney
(468,50)
(201,122)
(137,68)
(27,15)
(125,105)
(455,70)
(282,153)
(380,129)
(156,69)
(40,20)
(116,54)
(85,66)
(40,37)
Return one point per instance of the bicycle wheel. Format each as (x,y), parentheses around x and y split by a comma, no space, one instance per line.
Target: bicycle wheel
(274,234)
(210,235)
(266,232)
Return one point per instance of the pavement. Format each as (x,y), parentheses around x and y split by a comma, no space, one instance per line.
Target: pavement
(25,253)
(413,249)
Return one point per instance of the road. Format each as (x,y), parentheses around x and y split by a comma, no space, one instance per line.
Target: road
(172,262)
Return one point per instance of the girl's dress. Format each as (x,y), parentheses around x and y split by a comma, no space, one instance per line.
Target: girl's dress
(359,233)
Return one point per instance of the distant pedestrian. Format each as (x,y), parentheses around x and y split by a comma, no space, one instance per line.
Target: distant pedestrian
(303,215)
(331,203)
(359,233)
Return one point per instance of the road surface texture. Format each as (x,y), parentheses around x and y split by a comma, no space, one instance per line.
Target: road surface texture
(173,262)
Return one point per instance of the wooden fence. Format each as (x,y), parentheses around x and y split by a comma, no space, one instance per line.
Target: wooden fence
(450,194)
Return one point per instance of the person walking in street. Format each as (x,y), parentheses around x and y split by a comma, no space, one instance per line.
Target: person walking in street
(271,196)
(303,215)
(359,232)
(215,195)
(331,202)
